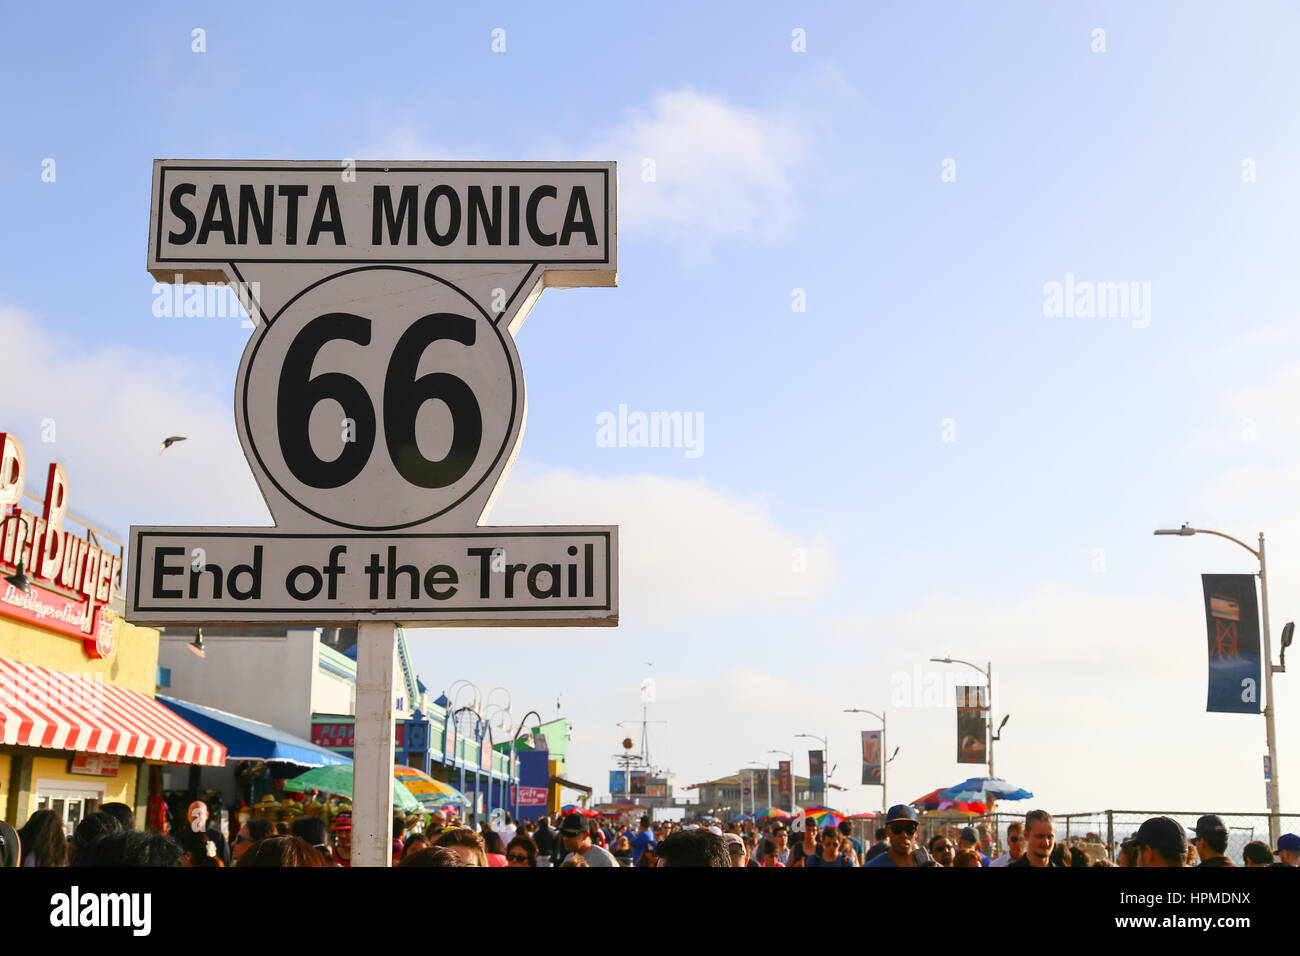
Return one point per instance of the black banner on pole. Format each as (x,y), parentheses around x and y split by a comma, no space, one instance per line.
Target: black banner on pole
(1232,632)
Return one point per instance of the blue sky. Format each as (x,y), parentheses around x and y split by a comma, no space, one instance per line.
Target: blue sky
(1026,540)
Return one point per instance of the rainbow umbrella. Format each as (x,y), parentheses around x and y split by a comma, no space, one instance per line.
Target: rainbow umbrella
(432,794)
(930,801)
(824,816)
(862,816)
(772,813)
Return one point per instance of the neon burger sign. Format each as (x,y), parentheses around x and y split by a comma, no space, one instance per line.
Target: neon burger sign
(72,577)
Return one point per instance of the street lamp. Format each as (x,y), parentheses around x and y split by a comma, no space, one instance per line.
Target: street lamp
(988,676)
(884,763)
(513,740)
(1274,789)
(751,766)
(786,753)
(826,760)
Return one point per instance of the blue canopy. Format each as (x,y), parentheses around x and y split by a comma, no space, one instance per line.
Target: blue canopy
(248,739)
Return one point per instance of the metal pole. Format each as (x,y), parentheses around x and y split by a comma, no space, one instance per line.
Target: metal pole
(1274,798)
(884,765)
(988,677)
(826,769)
(478,766)
(372,785)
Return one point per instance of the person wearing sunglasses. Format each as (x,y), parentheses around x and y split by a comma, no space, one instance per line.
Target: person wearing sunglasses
(522,851)
(942,849)
(1015,845)
(901,821)
(831,851)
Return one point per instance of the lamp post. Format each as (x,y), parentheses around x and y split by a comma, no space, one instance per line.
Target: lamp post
(478,739)
(789,754)
(512,773)
(884,762)
(753,790)
(826,762)
(1274,789)
(988,677)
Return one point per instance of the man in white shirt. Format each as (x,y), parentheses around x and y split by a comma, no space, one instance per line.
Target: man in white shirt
(507,831)
(1015,845)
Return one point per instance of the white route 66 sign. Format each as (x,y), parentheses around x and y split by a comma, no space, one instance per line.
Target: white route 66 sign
(380,400)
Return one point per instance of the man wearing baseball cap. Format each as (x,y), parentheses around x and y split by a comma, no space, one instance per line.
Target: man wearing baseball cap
(1211,841)
(1160,841)
(1288,850)
(901,821)
(969,839)
(575,831)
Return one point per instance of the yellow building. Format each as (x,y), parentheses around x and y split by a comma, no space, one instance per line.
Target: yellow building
(79,725)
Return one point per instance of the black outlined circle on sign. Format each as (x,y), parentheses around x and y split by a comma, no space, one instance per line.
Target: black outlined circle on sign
(403,488)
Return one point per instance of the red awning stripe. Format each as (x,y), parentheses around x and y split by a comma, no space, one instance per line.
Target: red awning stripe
(40,707)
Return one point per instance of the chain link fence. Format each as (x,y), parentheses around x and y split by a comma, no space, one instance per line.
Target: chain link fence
(1100,832)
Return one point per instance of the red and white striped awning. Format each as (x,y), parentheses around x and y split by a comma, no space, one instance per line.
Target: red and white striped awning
(40,707)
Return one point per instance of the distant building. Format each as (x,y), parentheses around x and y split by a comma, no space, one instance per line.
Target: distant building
(724,797)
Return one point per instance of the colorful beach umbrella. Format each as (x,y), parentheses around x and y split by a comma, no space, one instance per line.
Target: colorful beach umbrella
(824,816)
(930,801)
(574,808)
(772,813)
(337,779)
(433,794)
(984,790)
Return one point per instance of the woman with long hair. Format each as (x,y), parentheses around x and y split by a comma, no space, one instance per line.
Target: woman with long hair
(43,840)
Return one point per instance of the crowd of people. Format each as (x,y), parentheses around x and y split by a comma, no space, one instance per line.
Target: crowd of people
(108,838)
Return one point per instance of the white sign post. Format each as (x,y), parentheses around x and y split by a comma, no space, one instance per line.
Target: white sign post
(380,403)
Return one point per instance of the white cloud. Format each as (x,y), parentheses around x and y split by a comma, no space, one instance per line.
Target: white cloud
(685,549)
(720,172)
(111,409)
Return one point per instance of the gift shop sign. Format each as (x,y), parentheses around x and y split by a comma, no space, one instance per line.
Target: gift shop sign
(380,399)
(71,577)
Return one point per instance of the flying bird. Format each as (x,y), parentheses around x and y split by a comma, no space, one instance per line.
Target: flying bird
(168,442)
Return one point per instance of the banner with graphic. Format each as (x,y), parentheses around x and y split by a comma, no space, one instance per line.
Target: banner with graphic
(637,781)
(618,783)
(785,783)
(747,791)
(816,776)
(871,760)
(972,723)
(761,789)
(1232,631)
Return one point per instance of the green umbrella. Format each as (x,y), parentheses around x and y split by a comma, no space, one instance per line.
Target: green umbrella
(338,779)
